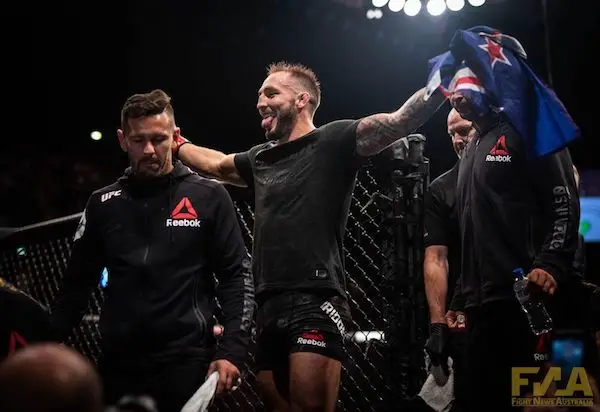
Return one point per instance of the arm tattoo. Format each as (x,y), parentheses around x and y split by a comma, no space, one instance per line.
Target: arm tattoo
(375,133)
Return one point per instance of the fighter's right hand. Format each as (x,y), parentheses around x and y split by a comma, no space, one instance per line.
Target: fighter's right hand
(229,374)
(436,347)
(543,279)
(456,321)
(178,142)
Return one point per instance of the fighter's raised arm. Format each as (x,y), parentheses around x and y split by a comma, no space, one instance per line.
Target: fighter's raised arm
(376,132)
(208,161)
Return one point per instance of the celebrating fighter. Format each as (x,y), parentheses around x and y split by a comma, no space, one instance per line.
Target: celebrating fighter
(303,178)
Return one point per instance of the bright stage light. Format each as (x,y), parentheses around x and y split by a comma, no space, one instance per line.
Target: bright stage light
(476,3)
(374,14)
(455,5)
(396,5)
(379,3)
(412,7)
(96,135)
(436,7)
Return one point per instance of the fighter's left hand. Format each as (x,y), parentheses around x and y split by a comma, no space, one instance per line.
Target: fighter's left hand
(229,374)
(543,279)
(178,141)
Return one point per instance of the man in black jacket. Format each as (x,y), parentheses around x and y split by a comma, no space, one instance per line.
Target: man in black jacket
(161,231)
(442,240)
(514,212)
(441,267)
(23,320)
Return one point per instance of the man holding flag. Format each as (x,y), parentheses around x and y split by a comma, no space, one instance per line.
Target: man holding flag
(517,200)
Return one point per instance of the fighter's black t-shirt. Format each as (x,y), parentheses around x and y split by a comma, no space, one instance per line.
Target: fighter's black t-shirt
(303,189)
(441,224)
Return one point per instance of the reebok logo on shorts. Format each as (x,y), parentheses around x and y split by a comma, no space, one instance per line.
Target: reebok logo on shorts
(312,337)
(335,316)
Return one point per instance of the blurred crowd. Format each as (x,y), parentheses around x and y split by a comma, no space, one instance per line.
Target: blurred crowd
(48,186)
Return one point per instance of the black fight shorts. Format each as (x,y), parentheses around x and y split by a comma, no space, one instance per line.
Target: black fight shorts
(300,322)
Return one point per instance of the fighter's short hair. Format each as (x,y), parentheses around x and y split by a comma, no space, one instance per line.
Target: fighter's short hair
(306,76)
(146,104)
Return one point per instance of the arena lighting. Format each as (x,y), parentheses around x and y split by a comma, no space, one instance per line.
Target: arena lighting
(379,3)
(436,7)
(396,5)
(362,336)
(96,135)
(104,278)
(374,14)
(412,7)
(455,5)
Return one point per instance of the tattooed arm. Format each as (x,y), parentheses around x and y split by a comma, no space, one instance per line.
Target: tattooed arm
(375,133)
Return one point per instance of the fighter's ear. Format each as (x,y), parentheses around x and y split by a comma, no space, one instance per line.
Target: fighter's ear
(122,141)
(176,139)
(302,100)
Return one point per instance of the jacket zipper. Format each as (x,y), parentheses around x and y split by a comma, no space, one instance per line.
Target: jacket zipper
(479,283)
(197,312)
(147,225)
(530,243)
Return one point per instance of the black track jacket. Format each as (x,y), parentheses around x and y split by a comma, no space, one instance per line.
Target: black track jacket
(514,212)
(23,320)
(161,241)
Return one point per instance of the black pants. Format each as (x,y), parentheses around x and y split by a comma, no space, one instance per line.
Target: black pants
(458,353)
(170,382)
(498,339)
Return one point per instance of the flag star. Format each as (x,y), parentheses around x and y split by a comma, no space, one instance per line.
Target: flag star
(495,52)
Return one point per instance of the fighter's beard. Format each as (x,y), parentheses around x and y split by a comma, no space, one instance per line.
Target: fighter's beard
(284,127)
(141,172)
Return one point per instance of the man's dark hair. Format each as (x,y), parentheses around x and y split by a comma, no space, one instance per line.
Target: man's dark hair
(146,104)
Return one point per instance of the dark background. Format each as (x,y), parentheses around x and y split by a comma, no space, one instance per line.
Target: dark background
(68,67)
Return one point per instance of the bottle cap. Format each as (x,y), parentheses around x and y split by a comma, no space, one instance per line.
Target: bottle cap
(519,273)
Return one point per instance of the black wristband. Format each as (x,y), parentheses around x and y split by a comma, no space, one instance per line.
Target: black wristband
(437,328)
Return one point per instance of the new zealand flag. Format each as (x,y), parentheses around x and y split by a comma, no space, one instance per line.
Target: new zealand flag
(490,68)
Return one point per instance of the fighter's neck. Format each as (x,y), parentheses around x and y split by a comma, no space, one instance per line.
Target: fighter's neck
(302,128)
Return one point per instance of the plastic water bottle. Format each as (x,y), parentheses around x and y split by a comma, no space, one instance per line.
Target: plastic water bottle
(539,319)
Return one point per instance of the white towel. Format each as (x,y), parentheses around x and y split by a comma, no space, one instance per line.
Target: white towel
(200,401)
(438,397)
